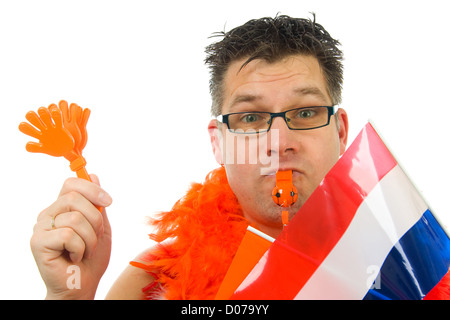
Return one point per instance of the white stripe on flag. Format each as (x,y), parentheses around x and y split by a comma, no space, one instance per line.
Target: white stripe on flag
(391,209)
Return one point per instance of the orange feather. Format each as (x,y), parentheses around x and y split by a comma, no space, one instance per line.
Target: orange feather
(197,241)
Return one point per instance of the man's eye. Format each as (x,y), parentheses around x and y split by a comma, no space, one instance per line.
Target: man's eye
(304,114)
(250,118)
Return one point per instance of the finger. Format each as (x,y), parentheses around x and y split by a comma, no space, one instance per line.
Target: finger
(96,180)
(29,130)
(105,221)
(79,224)
(35,147)
(56,115)
(69,203)
(46,118)
(62,239)
(34,119)
(91,191)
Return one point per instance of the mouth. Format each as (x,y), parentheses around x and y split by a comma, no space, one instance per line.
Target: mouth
(273,172)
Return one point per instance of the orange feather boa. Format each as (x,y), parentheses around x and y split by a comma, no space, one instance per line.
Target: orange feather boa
(197,241)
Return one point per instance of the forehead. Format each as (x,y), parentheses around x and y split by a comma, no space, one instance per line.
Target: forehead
(295,76)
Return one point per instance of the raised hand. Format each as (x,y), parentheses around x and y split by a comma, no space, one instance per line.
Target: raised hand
(71,234)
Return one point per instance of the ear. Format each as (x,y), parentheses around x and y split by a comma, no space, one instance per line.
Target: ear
(342,118)
(216,140)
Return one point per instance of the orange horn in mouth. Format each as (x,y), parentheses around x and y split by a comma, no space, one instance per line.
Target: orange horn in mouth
(284,194)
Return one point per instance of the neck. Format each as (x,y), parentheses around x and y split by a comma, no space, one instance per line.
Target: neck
(271,230)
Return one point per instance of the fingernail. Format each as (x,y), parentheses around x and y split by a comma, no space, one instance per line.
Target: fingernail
(104,199)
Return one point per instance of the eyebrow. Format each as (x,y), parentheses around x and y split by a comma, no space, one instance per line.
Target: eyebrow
(314,91)
(244,98)
(305,91)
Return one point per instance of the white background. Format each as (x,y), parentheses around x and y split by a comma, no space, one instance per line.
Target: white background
(138,65)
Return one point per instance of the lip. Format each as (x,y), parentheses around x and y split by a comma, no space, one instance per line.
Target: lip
(274,172)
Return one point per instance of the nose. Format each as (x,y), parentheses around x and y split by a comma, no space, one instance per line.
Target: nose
(285,138)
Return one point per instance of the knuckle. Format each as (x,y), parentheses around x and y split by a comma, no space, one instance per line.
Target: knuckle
(71,197)
(75,218)
(66,235)
(69,183)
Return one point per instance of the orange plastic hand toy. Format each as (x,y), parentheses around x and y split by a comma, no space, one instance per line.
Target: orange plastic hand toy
(284,194)
(75,120)
(61,132)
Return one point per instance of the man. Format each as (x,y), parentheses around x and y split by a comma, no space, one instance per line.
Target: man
(275,80)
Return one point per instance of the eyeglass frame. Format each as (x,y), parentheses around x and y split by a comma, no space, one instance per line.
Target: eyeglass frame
(223,118)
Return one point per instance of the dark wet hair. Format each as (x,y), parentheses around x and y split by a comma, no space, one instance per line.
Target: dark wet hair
(273,39)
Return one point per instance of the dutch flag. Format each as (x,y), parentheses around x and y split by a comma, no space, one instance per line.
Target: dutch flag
(365,233)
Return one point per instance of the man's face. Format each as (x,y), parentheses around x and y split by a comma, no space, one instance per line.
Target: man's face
(294,82)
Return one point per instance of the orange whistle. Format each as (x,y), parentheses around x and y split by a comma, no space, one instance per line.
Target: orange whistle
(284,194)
(61,132)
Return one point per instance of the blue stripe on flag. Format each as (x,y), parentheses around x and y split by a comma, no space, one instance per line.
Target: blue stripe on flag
(415,264)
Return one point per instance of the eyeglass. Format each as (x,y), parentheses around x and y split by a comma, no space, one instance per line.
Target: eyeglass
(306,118)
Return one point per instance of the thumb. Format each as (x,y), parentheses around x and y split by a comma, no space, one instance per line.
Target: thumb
(104,196)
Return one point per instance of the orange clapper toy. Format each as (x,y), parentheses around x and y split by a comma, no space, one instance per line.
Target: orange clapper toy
(61,132)
(255,243)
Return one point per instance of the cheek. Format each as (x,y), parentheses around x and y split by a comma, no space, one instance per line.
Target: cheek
(319,153)
(326,154)
(239,162)
(239,179)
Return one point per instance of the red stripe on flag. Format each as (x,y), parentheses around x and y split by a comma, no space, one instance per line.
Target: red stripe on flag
(322,220)
(441,291)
